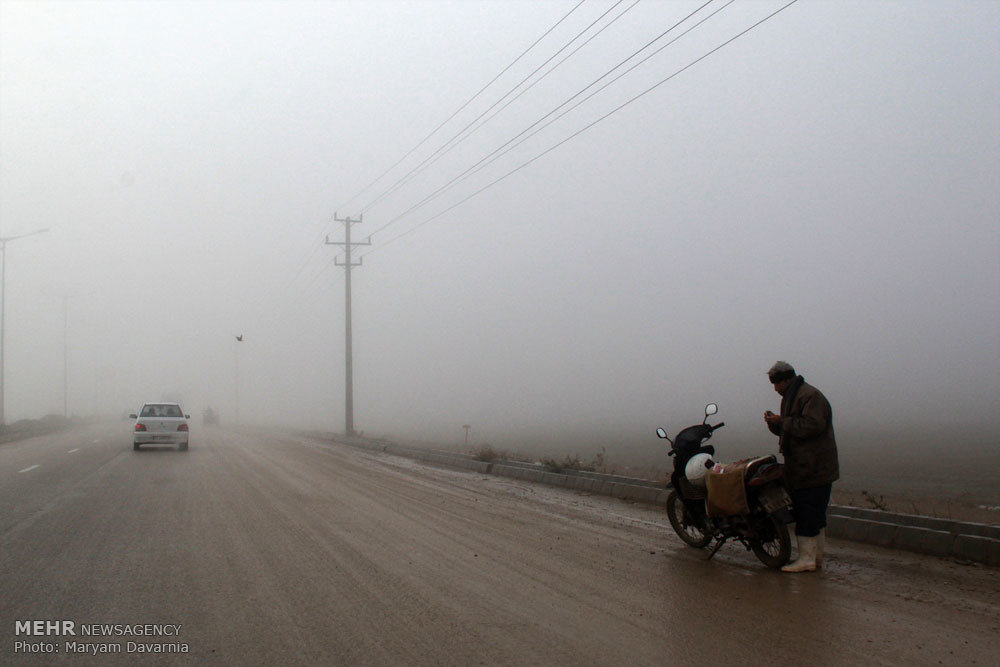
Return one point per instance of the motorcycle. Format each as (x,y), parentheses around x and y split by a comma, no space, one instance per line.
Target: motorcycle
(763,528)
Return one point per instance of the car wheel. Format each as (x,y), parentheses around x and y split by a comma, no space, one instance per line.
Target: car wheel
(182,447)
(135,446)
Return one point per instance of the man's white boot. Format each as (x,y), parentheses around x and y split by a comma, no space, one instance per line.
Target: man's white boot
(806,562)
(820,545)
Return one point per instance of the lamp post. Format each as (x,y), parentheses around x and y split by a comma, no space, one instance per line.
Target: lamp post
(236,375)
(3,307)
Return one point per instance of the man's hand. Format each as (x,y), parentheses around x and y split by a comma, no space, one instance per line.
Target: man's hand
(771,418)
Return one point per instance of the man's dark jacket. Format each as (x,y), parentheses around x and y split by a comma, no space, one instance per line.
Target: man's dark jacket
(805,437)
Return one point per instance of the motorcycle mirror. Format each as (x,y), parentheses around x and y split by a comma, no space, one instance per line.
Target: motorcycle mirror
(711,409)
(660,433)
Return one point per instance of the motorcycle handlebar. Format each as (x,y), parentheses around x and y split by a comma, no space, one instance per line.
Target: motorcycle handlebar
(719,425)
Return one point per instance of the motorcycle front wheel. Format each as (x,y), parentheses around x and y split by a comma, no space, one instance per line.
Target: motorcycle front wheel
(684,524)
(774,548)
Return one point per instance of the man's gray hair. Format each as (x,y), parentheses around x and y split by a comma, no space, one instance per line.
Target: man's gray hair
(781,370)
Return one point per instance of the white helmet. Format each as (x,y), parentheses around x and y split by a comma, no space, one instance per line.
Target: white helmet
(696,468)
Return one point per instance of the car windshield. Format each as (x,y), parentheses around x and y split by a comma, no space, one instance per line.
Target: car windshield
(161,411)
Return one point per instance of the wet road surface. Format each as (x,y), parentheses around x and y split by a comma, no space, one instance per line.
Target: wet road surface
(273,548)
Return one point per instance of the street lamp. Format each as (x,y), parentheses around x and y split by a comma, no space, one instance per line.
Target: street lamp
(3,307)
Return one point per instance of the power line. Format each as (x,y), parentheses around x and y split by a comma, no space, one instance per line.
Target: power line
(461,108)
(457,138)
(521,137)
(557,65)
(489,159)
(586,127)
(333,260)
(306,257)
(314,280)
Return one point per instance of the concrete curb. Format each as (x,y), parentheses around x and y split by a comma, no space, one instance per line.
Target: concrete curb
(976,542)
(918,521)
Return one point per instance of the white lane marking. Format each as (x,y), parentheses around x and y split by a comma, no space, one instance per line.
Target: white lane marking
(73,450)
(29,468)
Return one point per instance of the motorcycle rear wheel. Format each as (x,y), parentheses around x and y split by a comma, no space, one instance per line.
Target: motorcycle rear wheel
(774,549)
(683,523)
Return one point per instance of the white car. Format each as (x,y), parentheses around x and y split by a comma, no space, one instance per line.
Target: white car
(160,423)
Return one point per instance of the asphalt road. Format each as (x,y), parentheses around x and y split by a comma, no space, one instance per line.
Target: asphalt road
(277,549)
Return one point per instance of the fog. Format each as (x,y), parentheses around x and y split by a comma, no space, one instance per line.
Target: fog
(825,190)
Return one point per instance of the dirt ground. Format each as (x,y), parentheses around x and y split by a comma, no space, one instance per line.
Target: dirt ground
(958,503)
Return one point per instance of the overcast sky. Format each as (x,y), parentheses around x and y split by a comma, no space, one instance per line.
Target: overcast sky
(825,189)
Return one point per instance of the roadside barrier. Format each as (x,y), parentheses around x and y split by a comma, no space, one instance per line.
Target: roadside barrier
(976,542)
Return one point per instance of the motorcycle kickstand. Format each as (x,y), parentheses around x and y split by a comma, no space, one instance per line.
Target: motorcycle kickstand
(718,545)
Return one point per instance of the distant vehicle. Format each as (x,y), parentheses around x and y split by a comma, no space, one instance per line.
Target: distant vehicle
(160,423)
(209,416)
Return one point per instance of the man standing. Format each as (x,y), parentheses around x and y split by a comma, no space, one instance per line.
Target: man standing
(805,438)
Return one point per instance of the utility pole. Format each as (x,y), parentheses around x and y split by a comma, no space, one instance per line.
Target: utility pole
(3,307)
(348,349)
(66,357)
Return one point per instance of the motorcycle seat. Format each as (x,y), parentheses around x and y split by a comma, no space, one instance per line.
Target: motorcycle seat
(754,464)
(764,471)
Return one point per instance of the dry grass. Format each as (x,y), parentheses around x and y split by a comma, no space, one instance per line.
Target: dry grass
(877,503)
(568,463)
(486,453)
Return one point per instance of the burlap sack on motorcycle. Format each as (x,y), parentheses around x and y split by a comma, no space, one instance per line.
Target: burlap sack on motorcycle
(727,493)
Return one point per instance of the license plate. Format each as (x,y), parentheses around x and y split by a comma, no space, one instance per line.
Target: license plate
(774,498)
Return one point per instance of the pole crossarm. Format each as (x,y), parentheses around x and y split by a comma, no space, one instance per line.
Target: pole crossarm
(345,243)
